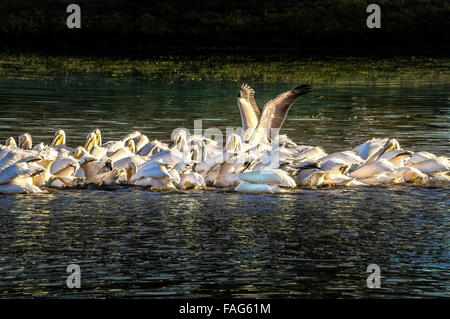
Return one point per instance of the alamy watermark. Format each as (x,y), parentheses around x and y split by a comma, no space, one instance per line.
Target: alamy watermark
(374,279)
(374,20)
(74,279)
(74,19)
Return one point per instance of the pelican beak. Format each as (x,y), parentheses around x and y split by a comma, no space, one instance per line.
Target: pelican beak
(130,172)
(98,138)
(388,147)
(117,172)
(90,143)
(11,142)
(58,140)
(343,169)
(392,147)
(180,143)
(24,144)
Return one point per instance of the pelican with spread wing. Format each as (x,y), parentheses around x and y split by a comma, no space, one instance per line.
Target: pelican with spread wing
(272,117)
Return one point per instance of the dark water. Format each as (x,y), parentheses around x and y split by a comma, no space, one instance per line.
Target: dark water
(314,243)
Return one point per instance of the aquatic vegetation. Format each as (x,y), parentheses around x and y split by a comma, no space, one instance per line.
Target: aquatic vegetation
(227,68)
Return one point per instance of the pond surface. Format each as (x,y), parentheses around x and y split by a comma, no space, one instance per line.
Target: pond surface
(313,243)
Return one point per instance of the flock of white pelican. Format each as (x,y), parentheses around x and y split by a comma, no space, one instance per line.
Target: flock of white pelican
(256,161)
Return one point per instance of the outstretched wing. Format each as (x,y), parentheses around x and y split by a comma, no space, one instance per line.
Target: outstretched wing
(275,111)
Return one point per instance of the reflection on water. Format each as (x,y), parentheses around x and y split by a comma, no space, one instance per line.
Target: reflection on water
(315,243)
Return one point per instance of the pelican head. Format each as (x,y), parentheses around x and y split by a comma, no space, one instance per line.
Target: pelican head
(91,141)
(391,144)
(234,143)
(59,139)
(98,137)
(180,140)
(25,141)
(78,152)
(10,141)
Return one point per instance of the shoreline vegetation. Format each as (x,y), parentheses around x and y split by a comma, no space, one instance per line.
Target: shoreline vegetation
(329,70)
(317,42)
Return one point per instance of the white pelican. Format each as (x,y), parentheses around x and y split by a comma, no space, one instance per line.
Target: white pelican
(93,144)
(372,149)
(153,174)
(59,139)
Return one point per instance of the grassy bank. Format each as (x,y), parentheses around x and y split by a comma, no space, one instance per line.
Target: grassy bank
(228,68)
